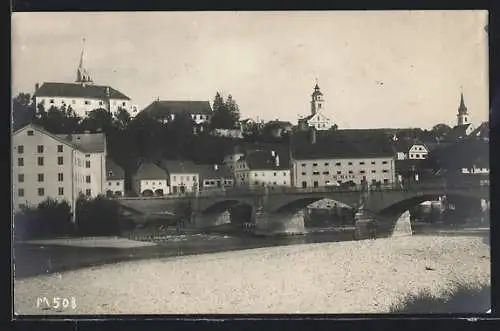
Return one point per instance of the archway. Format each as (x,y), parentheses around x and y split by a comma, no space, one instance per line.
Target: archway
(159,192)
(109,193)
(147,193)
(118,193)
(231,212)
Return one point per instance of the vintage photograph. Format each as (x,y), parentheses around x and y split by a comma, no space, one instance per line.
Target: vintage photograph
(295,162)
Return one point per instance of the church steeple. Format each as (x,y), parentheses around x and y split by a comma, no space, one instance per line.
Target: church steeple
(82,75)
(316,100)
(463,114)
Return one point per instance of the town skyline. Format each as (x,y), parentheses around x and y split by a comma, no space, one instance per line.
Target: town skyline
(410,74)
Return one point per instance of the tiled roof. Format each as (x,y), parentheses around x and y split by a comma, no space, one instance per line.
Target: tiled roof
(163,108)
(344,150)
(113,170)
(78,90)
(89,142)
(459,131)
(179,167)
(149,170)
(208,172)
(464,153)
(263,160)
(482,130)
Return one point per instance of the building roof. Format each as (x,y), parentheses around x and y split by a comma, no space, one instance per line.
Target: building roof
(209,172)
(263,160)
(53,136)
(148,170)
(459,131)
(278,123)
(483,130)
(179,167)
(78,90)
(344,150)
(113,170)
(89,142)
(164,108)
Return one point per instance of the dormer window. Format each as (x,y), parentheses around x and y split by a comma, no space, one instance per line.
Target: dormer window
(30,132)
(110,173)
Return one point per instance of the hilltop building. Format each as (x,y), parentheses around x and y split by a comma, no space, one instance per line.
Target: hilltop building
(464,127)
(317,118)
(83,95)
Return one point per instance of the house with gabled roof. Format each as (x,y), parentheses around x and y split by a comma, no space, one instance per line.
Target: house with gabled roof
(263,167)
(47,165)
(215,177)
(115,179)
(183,176)
(150,180)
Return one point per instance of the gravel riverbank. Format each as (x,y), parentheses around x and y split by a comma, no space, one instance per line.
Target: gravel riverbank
(344,277)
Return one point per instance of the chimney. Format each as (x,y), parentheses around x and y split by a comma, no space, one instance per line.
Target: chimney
(312,135)
(216,167)
(277,159)
(37,87)
(107,91)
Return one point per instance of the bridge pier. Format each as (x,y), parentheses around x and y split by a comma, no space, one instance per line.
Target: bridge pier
(275,223)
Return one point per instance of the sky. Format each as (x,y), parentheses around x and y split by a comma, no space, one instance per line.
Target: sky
(375,68)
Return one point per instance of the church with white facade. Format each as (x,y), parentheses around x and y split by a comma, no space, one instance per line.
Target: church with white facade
(317,118)
(83,95)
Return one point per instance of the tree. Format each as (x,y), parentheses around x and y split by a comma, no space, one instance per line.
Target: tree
(23,111)
(225,114)
(122,118)
(99,119)
(440,131)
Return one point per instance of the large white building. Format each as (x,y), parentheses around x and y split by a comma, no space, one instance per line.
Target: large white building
(262,168)
(183,176)
(317,119)
(328,163)
(62,167)
(150,180)
(82,96)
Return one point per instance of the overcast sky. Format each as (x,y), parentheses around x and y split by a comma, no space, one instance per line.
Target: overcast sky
(376,69)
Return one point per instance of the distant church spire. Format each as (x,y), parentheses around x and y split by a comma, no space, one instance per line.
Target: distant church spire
(463,114)
(82,75)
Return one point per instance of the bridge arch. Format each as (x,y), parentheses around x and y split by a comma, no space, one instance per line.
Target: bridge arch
(300,203)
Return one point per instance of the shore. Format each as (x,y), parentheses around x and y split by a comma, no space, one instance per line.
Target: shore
(345,277)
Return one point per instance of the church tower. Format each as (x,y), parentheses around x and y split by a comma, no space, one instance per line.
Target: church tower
(82,75)
(317,101)
(463,114)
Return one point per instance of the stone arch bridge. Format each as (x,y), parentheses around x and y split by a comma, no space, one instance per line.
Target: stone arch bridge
(279,211)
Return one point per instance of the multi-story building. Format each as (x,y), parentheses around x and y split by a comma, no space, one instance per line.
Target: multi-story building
(115,179)
(150,180)
(336,162)
(411,150)
(215,177)
(82,96)
(263,168)
(62,167)
(183,176)
(317,119)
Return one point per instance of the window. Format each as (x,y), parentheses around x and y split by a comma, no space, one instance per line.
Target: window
(274,174)
(194,178)
(386,181)
(315,164)
(110,173)
(39,148)
(362,171)
(87,179)
(385,170)
(412,155)
(174,178)
(87,164)
(41,191)
(60,160)
(30,132)
(326,164)
(361,163)
(87,155)
(182,178)
(59,148)
(304,184)
(61,191)
(20,161)
(100,103)
(20,149)
(274,183)
(316,173)
(20,192)
(316,185)
(109,183)
(303,174)
(73,101)
(373,162)
(256,183)
(350,163)
(118,184)
(326,173)
(256,174)
(284,182)
(284,174)
(20,178)
(51,101)
(86,102)
(40,160)
(384,162)
(88,192)
(338,164)
(40,177)
(124,104)
(339,172)
(373,171)
(303,164)
(350,171)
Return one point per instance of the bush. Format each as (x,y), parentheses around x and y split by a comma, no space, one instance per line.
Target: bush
(97,217)
(462,298)
(50,218)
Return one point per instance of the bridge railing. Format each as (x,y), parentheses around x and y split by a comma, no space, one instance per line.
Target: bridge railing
(429,184)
